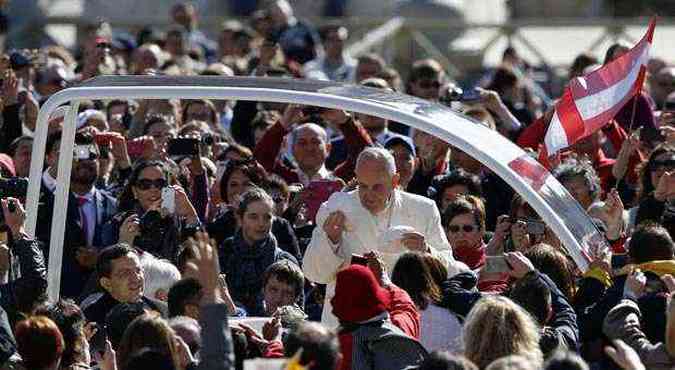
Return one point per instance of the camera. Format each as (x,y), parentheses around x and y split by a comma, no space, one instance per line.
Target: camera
(13,187)
(184,146)
(151,226)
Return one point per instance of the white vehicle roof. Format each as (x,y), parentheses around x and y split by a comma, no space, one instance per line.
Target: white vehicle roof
(522,172)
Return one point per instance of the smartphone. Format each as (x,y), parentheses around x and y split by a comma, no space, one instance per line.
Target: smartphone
(97,342)
(318,192)
(358,259)
(469,95)
(136,147)
(183,146)
(169,200)
(496,265)
(536,227)
(103,139)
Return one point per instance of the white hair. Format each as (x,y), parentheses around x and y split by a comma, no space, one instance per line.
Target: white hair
(378,154)
(309,126)
(159,274)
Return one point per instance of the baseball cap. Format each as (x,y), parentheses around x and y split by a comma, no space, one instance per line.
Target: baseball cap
(400,140)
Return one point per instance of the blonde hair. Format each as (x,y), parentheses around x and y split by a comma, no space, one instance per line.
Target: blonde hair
(497,327)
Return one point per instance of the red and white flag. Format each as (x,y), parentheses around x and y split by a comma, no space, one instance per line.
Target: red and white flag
(591,101)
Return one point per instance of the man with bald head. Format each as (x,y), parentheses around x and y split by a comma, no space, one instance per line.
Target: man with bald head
(310,146)
(377,216)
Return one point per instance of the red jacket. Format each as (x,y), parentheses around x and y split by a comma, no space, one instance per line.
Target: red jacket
(402,313)
(266,152)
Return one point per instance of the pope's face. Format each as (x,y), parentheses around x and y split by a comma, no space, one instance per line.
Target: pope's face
(375,185)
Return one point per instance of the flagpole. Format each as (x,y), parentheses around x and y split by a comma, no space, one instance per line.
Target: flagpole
(632,116)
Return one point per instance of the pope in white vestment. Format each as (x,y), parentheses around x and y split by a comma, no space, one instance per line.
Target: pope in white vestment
(364,230)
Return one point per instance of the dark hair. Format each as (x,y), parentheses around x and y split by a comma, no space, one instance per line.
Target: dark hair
(249,168)
(70,321)
(252,195)
(264,119)
(127,201)
(39,342)
(326,30)
(650,242)
(425,68)
(458,176)
(534,295)
(412,274)
(502,79)
(286,272)
(320,346)
(518,203)
(158,118)
(646,186)
(565,360)
(438,360)
(275,182)
(555,265)
(183,292)
(108,255)
(213,112)
(146,331)
(52,141)
(465,205)
(609,55)
(244,152)
(149,358)
(11,150)
(118,319)
(581,62)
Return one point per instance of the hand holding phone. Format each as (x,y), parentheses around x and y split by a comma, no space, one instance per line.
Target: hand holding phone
(496,265)
(168,200)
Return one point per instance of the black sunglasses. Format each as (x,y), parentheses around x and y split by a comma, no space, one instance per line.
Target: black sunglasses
(466,228)
(147,184)
(657,165)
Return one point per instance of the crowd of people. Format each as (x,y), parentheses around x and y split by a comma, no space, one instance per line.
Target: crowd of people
(364,244)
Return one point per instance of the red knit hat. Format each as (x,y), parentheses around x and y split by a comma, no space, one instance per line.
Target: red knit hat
(358,295)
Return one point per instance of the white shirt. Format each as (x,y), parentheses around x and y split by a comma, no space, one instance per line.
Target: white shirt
(323,259)
(48,181)
(322,174)
(440,330)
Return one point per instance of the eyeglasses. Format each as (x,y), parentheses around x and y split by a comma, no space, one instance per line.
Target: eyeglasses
(466,228)
(428,84)
(147,184)
(667,164)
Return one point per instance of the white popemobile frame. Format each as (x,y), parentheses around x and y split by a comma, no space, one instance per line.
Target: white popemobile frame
(553,203)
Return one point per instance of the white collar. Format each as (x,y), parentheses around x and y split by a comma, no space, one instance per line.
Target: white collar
(89,196)
(322,174)
(48,180)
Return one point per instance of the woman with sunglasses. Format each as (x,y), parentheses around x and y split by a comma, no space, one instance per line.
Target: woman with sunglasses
(657,185)
(464,224)
(143,223)
(240,176)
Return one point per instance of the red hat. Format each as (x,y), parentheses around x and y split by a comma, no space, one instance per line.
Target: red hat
(358,295)
(7,163)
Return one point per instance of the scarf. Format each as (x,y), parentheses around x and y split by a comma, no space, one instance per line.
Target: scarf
(473,257)
(245,265)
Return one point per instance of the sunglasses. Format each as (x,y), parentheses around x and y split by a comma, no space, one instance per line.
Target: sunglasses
(428,84)
(147,184)
(466,228)
(662,165)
